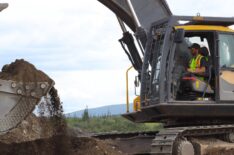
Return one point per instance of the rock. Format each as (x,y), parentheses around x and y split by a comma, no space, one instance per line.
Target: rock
(211,146)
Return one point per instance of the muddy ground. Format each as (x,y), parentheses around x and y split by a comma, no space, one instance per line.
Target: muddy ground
(34,136)
(60,145)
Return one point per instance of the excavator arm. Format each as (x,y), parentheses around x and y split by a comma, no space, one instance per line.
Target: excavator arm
(138,15)
(145,11)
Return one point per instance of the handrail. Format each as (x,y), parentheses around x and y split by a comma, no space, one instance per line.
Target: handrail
(127,95)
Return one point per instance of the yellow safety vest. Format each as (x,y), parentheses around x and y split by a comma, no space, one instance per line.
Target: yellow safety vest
(195,62)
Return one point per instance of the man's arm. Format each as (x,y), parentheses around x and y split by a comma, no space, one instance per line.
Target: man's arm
(202,69)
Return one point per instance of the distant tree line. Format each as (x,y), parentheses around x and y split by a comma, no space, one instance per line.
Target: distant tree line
(108,123)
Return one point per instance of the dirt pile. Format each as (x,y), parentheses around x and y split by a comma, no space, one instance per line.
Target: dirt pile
(23,71)
(30,129)
(77,146)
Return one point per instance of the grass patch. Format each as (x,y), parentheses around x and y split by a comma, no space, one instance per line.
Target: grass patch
(110,124)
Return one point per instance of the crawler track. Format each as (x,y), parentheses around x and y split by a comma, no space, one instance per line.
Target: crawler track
(130,142)
(165,141)
(114,135)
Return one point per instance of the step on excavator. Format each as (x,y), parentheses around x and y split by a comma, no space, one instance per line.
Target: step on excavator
(187,105)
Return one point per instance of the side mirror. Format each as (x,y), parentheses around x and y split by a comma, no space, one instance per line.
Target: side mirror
(179,36)
(136,82)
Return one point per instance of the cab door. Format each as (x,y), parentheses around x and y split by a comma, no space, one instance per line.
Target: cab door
(226,66)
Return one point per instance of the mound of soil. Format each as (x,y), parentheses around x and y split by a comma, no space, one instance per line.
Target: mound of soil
(23,71)
(77,146)
(30,129)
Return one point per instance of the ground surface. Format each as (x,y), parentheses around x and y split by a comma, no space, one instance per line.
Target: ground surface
(211,146)
(59,145)
(34,136)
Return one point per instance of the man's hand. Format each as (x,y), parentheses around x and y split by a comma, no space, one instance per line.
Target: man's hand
(190,70)
(199,71)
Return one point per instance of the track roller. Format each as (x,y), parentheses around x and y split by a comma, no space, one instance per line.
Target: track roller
(184,147)
(229,137)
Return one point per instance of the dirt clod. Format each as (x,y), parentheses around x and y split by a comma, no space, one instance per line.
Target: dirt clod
(212,146)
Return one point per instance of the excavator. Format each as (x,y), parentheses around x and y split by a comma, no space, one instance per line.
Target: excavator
(187,106)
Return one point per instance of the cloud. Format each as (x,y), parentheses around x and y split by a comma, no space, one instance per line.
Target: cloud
(192,7)
(93,88)
(56,35)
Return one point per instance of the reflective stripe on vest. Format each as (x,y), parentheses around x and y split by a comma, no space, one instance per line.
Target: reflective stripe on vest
(195,62)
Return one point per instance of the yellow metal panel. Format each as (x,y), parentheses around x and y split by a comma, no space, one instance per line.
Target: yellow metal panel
(228,76)
(204,28)
(198,18)
(137,104)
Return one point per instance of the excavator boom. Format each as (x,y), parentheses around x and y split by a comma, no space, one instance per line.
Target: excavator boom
(146,11)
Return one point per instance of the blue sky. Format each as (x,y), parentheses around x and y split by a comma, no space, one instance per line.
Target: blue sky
(76,43)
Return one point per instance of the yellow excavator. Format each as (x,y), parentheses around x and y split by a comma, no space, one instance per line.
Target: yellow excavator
(188,106)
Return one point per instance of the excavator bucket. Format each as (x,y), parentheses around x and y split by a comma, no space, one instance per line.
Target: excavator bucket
(18,100)
(147,11)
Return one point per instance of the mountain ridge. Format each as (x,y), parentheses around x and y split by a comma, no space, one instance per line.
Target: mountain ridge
(116,109)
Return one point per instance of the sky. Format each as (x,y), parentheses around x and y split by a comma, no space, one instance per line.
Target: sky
(76,43)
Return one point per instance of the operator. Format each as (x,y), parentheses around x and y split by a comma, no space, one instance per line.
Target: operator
(197,64)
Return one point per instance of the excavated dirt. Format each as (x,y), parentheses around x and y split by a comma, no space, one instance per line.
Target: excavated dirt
(30,129)
(46,134)
(36,135)
(23,71)
(77,146)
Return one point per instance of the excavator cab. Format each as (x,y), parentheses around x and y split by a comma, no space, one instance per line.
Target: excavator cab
(168,91)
